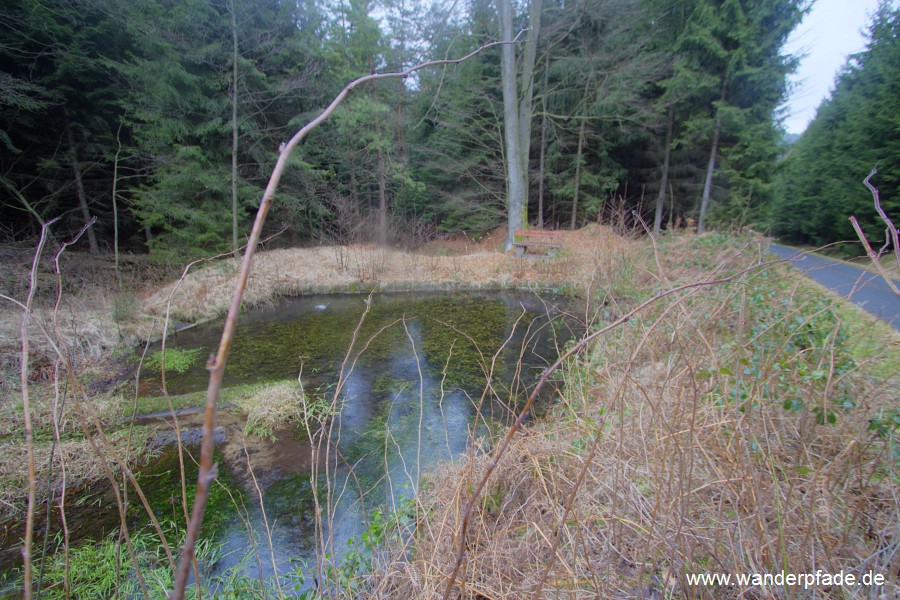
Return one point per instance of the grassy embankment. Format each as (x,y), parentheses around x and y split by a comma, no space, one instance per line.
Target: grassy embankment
(747,427)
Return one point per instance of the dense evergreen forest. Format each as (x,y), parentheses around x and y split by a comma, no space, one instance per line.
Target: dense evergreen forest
(857,128)
(163,118)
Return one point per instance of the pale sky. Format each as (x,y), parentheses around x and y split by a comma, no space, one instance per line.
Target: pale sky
(829,33)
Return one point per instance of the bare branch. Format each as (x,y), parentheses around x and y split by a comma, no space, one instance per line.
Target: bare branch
(892,236)
(216,364)
(26,410)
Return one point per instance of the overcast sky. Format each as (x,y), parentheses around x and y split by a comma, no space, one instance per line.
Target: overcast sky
(828,34)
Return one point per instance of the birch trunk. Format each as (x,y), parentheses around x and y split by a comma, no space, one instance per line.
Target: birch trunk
(710,171)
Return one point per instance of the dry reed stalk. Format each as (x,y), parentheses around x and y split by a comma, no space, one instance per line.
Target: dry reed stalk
(262,509)
(26,411)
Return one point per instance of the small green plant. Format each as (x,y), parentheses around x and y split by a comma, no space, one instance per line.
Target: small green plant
(176,359)
(886,423)
(102,569)
(384,528)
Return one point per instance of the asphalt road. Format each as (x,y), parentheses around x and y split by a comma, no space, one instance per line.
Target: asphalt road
(865,289)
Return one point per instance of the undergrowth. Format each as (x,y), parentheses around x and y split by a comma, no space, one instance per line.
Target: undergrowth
(747,427)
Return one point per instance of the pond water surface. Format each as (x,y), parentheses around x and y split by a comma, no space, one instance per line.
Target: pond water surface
(409,371)
(412,394)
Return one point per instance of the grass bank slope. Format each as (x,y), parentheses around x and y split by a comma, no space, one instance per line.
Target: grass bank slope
(747,428)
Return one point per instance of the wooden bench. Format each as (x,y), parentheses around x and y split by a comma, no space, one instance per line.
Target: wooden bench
(533,241)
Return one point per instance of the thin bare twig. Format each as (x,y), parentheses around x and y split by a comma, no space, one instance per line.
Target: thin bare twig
(26,409)
(216,364)
(892,235)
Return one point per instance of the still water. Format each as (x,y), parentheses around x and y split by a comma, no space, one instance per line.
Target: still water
(415,378)
(410,373)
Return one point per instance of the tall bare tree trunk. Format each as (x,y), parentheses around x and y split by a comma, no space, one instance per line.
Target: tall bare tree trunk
(664,176)
(543,151)
(578,160)
(710,171)
(79,190)
(234,131)
(517,111)
(671,223)
(711,166)
(382,193)
(115,204)
(526,101)
(516,190)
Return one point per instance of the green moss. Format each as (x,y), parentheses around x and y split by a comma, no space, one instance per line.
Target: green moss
(161,485)
(228,397)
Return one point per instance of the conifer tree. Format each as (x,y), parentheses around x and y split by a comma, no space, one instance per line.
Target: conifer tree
(854,130)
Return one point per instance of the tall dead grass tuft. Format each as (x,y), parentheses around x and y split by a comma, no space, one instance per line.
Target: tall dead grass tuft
(205,292)
(81,463)
(726,429)
(272,407)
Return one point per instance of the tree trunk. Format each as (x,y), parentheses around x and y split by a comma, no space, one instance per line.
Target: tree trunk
(664,176)
(79,190)
(234,131)
(671,223)
(529,56)
(711,166)
(115,204)
(517,198)
(382,199)
(543,153)
(710,170)
(578,161)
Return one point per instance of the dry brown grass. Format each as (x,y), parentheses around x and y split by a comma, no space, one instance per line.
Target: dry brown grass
(93,318)
(76,455)
(670,469)
(45,405)
(206,291)
(271,407)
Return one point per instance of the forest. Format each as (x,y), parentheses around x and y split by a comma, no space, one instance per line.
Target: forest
(638,400)
(163,119)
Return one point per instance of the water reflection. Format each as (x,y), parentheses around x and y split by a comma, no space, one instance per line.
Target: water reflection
(412,392)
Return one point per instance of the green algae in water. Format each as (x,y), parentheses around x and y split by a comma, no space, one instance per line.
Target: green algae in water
(412,394)
(315,333)
(161,484)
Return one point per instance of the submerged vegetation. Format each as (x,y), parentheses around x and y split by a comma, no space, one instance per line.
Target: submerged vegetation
(175,359)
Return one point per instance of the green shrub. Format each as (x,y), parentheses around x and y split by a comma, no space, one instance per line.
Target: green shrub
(176,359)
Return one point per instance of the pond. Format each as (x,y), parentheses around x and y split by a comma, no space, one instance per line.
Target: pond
(408,372)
